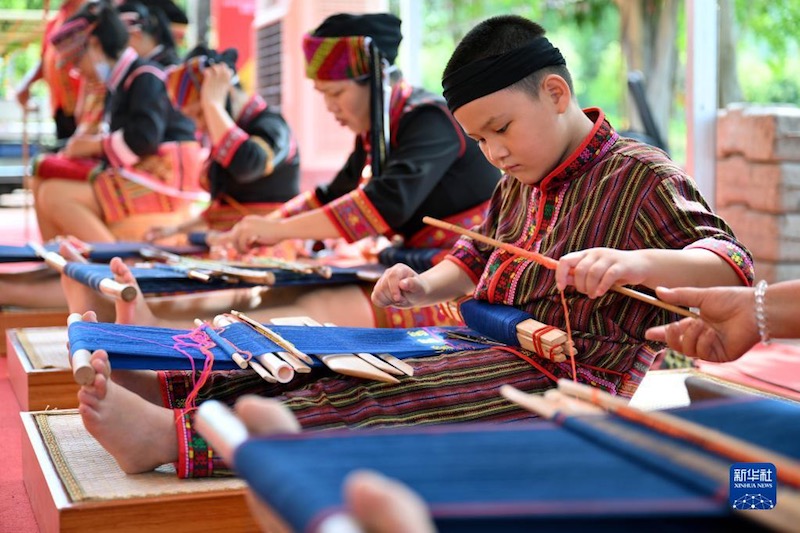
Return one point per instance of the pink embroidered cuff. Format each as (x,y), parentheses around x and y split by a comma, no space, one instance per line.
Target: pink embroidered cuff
(195,458)
(117,150)
(732,253)
(306,201)
(355,217)
(225,149)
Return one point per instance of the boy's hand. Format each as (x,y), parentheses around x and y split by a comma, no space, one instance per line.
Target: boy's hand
(595,270)
(399,286)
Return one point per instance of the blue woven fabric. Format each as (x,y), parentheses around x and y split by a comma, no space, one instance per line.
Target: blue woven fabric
(141,347)
(493,320)
(22,254)
(99,252)
(520,477)
(162,278)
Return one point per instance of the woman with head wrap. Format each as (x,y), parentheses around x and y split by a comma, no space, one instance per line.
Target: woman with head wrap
(254,164)
(145,160)
(62,84)
(76,102)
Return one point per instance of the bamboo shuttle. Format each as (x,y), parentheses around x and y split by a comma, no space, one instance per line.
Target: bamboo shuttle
(274,337)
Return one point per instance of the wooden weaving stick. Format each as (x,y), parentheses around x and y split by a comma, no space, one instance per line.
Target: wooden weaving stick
(215,268)
(291,355)
(784,516)
(344,363)
(550,263)
(107,286)
(232,351)
(280,370)
(374,360)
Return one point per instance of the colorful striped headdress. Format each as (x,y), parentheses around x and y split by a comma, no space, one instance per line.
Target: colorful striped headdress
(336,58)
(339,48)
(184,81)
(72,39)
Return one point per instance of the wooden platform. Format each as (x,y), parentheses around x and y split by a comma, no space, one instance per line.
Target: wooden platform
(15,317)
(38,368)
(75,486)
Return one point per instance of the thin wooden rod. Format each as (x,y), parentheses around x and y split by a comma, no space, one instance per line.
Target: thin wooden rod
(550,263)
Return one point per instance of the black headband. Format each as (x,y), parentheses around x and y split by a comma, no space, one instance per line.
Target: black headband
(490,74)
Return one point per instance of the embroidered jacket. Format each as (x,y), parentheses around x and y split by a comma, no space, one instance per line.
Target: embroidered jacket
(432,169)
(611,192)
(139,114)
(257,161)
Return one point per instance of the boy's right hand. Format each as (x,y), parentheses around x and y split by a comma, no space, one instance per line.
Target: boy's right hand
(399,286)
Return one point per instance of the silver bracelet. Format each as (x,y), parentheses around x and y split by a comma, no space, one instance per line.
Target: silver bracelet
(761,312)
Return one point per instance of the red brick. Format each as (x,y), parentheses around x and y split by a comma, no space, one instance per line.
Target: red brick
(768,187)
(768,236)
(760,133)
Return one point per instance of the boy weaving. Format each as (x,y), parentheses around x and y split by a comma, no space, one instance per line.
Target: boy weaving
(612,210)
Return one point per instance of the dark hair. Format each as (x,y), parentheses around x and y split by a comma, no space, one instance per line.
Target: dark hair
(109,29)
(153,22)
(496,36)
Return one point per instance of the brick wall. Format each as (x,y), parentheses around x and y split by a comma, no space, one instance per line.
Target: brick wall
(758,184)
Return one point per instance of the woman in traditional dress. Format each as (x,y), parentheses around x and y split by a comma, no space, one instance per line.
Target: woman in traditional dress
(147,150)
(254,162)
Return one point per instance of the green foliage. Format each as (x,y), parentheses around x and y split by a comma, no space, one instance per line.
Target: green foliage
(767,51)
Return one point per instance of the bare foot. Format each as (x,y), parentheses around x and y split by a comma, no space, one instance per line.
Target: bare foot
(134,312)
(138,434)
(265,416)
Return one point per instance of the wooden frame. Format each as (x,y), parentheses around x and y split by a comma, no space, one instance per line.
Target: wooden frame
(38,389)
(211,511)
(14,318)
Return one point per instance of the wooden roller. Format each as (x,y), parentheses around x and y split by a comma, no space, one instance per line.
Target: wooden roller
(553,343)
(107,286)
(82,369)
